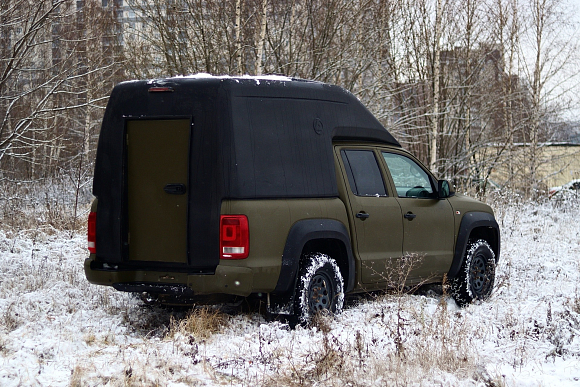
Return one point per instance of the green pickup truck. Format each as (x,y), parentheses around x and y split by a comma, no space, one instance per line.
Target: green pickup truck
(282,188)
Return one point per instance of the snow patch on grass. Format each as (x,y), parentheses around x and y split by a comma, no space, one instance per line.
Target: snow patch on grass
(57,329)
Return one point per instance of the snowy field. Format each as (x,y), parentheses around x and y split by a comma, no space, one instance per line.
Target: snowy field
(58,330)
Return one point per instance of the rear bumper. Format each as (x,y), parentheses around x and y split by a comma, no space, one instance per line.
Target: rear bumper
(226,280)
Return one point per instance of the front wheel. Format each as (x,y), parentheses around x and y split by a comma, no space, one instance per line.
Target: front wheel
(477,274)
(320,287)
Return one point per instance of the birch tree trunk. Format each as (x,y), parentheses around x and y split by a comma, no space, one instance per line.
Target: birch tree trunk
(262,39)
(238,28)
(436,69)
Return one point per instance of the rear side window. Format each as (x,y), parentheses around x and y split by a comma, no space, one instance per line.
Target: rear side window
(364,175)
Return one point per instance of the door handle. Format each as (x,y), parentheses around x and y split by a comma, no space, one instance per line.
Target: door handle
(409,215)
(174,189)
(362,215)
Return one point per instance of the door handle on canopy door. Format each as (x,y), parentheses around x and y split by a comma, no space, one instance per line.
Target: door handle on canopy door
(362,215)
(174,189)
(409,215)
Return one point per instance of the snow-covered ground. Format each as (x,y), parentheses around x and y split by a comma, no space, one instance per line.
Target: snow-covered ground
(56,329)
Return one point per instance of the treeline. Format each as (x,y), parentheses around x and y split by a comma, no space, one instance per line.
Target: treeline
(458,82)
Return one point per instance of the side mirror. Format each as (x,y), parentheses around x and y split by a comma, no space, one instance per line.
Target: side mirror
(444,189)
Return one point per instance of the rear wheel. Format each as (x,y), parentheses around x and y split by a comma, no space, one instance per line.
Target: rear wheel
(477,274)
(320,287)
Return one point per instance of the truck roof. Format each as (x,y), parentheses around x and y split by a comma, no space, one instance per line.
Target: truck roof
(246,116)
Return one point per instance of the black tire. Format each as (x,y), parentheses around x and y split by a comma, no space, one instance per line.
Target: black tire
(477,274)
(320,287)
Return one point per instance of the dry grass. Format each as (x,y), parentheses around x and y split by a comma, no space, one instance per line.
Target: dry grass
(10,319)
(444,342)
(76,378)
(575,300)
(44,205)
(420,344)
(202,323)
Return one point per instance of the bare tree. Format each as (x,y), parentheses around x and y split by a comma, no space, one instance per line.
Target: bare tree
(52,82)
(458,82)
(436,69)
(261,38)
(546,52)
(25,88)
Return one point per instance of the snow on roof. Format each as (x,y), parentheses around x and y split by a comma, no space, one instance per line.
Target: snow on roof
(257,78)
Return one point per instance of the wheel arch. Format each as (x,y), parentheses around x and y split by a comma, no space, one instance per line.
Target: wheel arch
(326,236)
(475,225)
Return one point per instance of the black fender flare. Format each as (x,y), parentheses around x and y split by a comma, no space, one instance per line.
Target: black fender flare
(469,222)
(302,232)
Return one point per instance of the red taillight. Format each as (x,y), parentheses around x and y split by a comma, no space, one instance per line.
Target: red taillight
(234,237)
(160,89)
(92,233)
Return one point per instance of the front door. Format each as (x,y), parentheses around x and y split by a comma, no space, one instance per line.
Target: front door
(427,220)
(157,160)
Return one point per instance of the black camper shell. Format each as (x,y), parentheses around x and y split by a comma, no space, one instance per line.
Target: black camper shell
(250,138)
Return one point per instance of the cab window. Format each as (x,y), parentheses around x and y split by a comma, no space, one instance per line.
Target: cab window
(411,181)
(364,175)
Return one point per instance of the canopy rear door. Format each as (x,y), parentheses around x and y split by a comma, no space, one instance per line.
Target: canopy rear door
(157,190)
